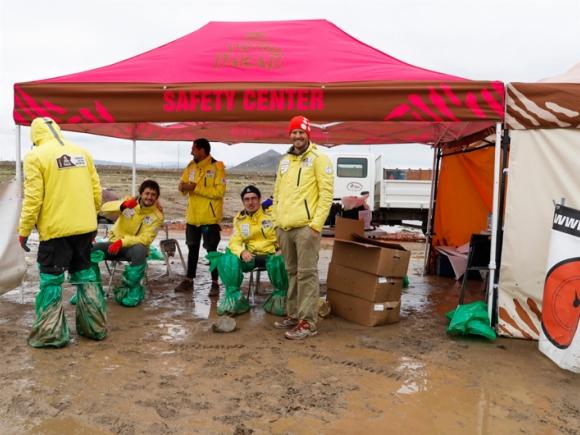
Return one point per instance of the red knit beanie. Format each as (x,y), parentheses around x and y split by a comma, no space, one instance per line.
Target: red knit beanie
(301,123)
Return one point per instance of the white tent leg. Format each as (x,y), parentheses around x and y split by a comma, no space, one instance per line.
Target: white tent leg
(492,288)
(430,215)
(134,179)
(18,158)
(18,162)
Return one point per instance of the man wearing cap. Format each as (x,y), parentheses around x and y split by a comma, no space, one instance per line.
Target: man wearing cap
(204,183)
(253,244)
(302,199)
(62,195)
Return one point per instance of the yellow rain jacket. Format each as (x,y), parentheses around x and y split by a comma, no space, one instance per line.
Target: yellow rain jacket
(135,226)
(254,233)
(303,189)
(62,192)
(205,203)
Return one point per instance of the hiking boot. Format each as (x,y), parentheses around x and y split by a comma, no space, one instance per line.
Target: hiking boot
(184,286)
(301,331)
(214,290)
(286,323)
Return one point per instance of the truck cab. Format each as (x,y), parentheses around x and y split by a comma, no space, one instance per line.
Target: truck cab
(395,195)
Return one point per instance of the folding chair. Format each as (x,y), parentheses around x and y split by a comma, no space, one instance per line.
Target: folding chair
(168,248)
(254,284)
(477,259)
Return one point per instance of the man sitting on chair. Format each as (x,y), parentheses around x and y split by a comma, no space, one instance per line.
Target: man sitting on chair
(252,245)
(130,237)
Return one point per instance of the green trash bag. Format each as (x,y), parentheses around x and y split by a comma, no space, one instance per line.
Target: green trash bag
(276,302)
(96,257)
(470,319)
(230,269)
(91,308)
(406,281)
(155,253)
(131,292)
(50,328)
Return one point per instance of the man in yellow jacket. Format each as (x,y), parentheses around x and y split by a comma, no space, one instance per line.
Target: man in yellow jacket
(62,195)
(302,199)
(130,237)
(253,244)
(204,183)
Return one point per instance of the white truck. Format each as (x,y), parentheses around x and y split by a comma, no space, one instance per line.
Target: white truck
(392,197)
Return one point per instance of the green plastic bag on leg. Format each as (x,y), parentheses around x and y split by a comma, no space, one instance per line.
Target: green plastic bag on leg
(50,328)
(96,258)
(276,302)
(131,293)
(91,308)
(229,268)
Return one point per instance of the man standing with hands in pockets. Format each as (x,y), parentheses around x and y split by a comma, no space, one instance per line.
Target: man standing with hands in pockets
(302,199)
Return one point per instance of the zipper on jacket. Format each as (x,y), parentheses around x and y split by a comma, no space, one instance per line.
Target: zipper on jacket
(212,212)
(307,211)
(264,234)
(299,172)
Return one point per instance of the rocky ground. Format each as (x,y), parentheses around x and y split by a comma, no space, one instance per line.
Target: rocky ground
(162,370)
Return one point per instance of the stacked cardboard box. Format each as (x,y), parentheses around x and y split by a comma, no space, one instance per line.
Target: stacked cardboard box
(365,276)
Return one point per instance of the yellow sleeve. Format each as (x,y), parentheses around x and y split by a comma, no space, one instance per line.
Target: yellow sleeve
(97,192)
(112,206)
(33,195)
(147,232)
(184,178)
(236,244)
(325,180)
(274,207)
(218,190)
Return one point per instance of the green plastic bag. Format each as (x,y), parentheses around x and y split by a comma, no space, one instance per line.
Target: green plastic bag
(470,319)
(50,328)
(406,281)
(131,292)
(276,301)
(96,257)
(91,308)
(230,269)
(155,253)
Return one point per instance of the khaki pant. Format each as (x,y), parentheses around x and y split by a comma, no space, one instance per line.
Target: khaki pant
(300,248)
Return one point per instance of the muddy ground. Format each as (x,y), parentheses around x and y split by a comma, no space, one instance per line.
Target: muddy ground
(162,371)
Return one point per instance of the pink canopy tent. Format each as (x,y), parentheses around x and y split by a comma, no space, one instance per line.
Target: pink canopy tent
(242,81)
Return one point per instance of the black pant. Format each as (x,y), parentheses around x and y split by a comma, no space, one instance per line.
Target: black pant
(211,240)
(136,254)
(72,253)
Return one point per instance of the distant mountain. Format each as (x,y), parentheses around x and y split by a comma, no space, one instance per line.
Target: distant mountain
(265,163)
(157,165)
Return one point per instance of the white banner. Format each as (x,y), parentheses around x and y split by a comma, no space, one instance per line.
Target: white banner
(559,338)
(12,264)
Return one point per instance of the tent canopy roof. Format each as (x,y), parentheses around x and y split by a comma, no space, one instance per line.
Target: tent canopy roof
(551,103)
(242,81)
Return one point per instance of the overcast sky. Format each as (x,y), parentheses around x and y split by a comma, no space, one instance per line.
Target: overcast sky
(508,40)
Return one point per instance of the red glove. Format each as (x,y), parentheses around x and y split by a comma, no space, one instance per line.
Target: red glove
(23,240)
(115,247)
(129,203)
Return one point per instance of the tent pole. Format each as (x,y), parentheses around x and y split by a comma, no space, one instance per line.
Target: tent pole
(492,287)
(134,178)
(18,159)
(18,163)
(434,167)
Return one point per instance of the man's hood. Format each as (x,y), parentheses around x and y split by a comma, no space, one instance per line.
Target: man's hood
(43,130)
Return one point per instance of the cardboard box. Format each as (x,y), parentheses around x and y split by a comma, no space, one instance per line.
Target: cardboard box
(352,249)
(363,285)
(361,311)
(383,261)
